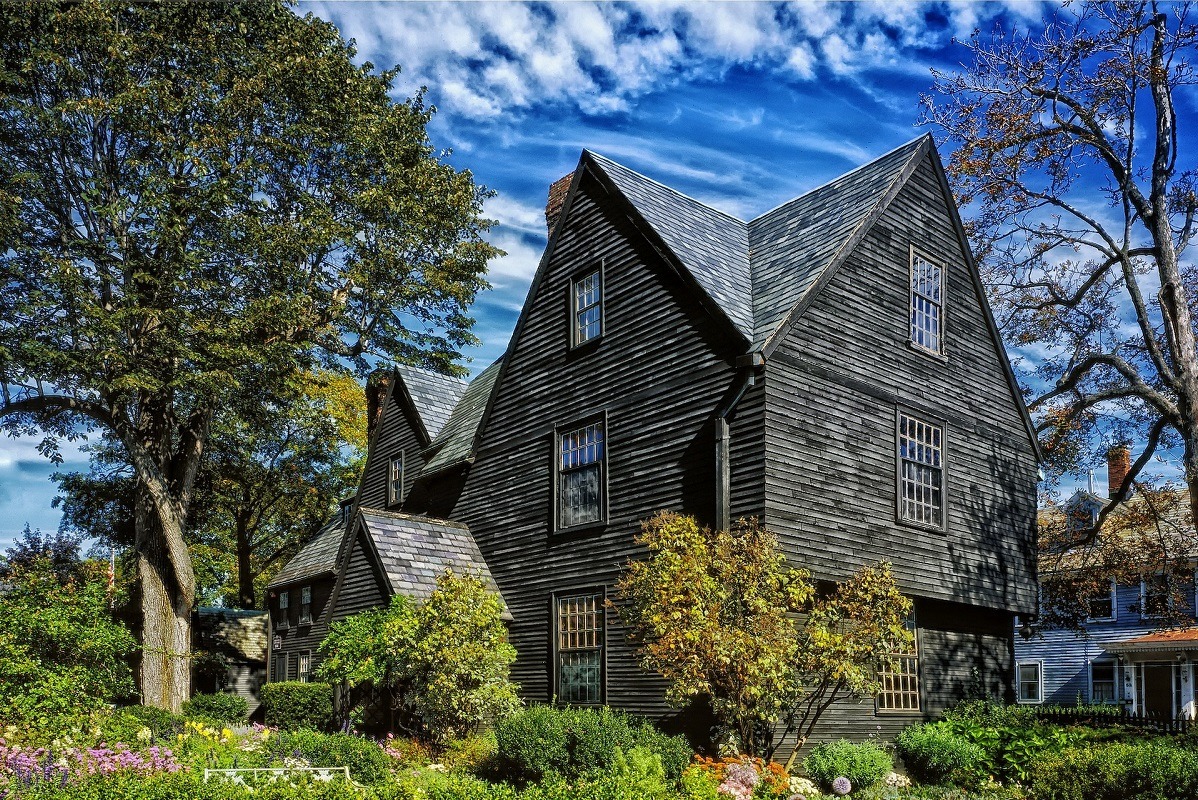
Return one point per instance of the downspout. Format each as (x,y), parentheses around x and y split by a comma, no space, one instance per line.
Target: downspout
(746,376)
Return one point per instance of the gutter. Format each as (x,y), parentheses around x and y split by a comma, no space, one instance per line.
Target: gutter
(748,367)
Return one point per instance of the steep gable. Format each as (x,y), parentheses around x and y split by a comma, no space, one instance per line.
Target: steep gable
(455,442)
(432,395)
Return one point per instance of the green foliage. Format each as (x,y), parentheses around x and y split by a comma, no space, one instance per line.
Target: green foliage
(366,760)
(62,654)
(473,753)
(448,659)
(639,770)
(124,724)
(218,708)
(933,753)
(863,763)
(293,706)
(1155,770)
(1010,737)
(543,742)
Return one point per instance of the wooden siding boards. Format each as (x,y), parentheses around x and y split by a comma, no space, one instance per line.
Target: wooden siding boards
(398,431)
(362,585)
(298,638)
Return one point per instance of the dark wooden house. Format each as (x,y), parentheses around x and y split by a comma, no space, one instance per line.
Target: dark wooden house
(830,367)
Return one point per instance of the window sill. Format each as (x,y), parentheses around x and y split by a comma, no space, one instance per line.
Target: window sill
(585,527)
(584,347)
(941,357)
(896,712)
(923,526)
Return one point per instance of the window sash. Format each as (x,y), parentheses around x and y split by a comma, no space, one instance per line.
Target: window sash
(587,294)
(1102,683)
(900,678)
(305,615)
(921,471)
(927,304)
(1101,607)
(580,476)
(580,622)
(1031,688)
(395,480)
(304,671)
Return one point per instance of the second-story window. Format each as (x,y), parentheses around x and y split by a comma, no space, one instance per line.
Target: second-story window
(305,615)
(586,306)
(580,479)
(921,471)
(1101,606)
(395,481)
(284,611)
(1156,595)
(927,304)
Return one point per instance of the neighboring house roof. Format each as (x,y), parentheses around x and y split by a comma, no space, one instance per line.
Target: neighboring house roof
(1174,639)
(414,551)
(317,557)
(235,633)
(433,395)
(455,443)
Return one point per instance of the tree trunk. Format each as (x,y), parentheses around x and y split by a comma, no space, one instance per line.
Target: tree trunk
(245,572)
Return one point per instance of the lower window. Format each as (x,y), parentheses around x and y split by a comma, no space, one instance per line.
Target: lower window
(1029,683)
(280,667)
(900,678)
(304,674)
(1102,682)
(580,633)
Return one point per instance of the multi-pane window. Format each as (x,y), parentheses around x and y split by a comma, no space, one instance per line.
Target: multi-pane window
(921,471)
(899,677)
(395,481)
(580,649)
(587,306)
(927,304)
(305,615)
(1029,687)
(1156,596)
(304,673)
(1101,607)
(580,476)
(284,612)
(1102,682)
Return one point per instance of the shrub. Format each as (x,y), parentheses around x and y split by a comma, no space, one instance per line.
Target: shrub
(293,706)
(864,764)
(1154,770)
(222,708)
(1010,736)
(124,724)
(933,753)
(367,761)
(532,744)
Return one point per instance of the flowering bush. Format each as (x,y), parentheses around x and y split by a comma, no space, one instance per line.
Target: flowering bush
(26,766)
(743,777)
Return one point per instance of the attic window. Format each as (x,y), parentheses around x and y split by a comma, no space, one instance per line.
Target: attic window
(586,306)
(395,481)
(927,304)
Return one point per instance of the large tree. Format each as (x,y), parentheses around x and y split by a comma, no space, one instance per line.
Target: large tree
(1081,204)
(199,202)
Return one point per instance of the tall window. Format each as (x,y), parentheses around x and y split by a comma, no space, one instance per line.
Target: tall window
(1156,595)
(1101,607)
(284,611)
(304,673)
(1029,686)
(900,677)
(927,304)
(395,481)
(580,476)
(1102,682)
(921,471)
(580,649)
(305,615)
(587,308)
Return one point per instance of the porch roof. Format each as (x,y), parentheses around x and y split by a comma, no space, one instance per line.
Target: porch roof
(1173,639)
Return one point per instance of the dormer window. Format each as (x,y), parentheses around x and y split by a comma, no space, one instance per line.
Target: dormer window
(586,308)
(395,481)
(927,304)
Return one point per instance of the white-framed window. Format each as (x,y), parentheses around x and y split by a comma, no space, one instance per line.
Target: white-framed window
(1102,682)
(395,480)
(1156,595)
(305,615)
(900,677)
(304,672)
(586,308)
(927,304)
(1029,684)
(1101,607)
(920,471)
(284,610)
(579,622)
(581,478)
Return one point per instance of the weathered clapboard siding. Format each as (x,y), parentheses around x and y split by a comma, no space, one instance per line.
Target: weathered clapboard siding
(298,638)
(659,372)
(397,433)
(362,586)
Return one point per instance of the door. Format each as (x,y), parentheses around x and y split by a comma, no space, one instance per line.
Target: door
(1158,690)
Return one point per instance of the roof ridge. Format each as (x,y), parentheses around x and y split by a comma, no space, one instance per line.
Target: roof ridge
(433,373)
(447,523)
(667,187)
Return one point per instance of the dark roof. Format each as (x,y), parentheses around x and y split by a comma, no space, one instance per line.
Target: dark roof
(455,443)
(317,557)
(414,551)
(757,272)
(237,633)
(434,395)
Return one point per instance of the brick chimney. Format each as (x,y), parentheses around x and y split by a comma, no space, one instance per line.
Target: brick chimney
(557,196)
(1118,464)
(376,393)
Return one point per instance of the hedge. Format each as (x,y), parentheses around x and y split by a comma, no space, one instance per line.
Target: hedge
(294,706)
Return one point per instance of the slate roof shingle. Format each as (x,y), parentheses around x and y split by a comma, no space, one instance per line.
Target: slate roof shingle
(317,557)
(434,395)
(414,551)
(455,442)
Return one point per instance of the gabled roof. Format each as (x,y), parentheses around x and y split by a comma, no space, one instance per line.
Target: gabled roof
(414,551)
(455,442)
(433,395)
(317,557)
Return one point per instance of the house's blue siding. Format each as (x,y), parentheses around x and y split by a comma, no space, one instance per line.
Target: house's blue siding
(1066,655)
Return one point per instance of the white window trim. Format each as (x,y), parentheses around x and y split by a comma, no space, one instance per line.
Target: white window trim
(913,653)
(395,493)
(1114,617)
(1114,665)
(299,663)
(940,354)
(918,416)
(1039,665)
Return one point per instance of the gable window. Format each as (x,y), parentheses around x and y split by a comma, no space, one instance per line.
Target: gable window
(284,612)
(579,621)
(586,308)
(899,677)
(927,304)
(1102,682)
(921,471)
(1029,687)
(305,615)
(395,481)
(1101,607)
(304,672)
(580,476)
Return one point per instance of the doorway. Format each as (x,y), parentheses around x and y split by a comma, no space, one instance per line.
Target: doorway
(1157,690)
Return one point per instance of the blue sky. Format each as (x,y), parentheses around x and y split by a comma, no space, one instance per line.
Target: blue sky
(741,105)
